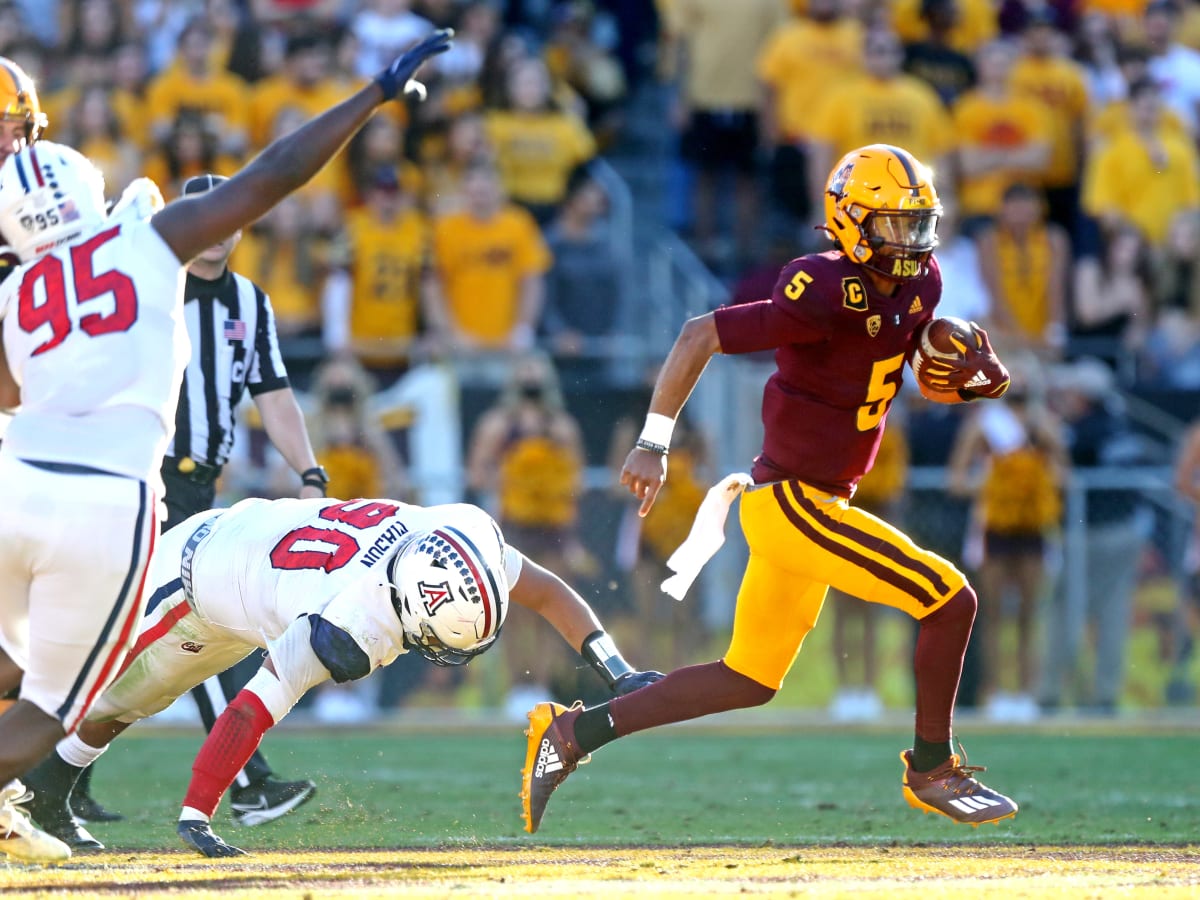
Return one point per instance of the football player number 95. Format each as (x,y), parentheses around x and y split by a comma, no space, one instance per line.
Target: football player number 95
(32,315)
(880,391)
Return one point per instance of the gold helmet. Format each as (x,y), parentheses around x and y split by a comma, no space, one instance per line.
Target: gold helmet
(19,99)
(882,210)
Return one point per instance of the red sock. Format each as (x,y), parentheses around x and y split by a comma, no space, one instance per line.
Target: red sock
(685,694)
(235,736)
(937,664)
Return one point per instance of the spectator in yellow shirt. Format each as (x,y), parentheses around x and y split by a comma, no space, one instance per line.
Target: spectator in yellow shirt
(537,146)
(287,255)
(1025,262)
(1044,72)
(1011,459)
(525,461)
(884,106)
(1004,137)
(1116,116)
(975,26)
(128,96)
(934,59)
(714,44)
(378,146)
(466,143)
(794,68)
(386,243)
(348,438)
(94,129)
(190,148)
(192,83)
(490,261)
(1146,175)
(303,84)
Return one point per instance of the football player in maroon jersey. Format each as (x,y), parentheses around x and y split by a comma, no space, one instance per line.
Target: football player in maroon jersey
(842,324)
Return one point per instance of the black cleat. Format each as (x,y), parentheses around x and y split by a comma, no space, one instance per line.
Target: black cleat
(266,800)
(53,815)
(86,809)
(199,836)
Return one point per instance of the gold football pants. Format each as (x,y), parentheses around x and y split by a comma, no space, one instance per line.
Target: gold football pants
(803,541)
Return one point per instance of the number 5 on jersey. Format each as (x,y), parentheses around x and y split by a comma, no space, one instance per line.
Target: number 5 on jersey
(794,288)
(881,389)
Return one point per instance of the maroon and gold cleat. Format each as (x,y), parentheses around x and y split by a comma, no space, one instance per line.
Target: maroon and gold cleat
(551,755)
(952,790)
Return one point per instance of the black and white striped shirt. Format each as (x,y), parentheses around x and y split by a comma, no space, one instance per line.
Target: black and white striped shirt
(234,348)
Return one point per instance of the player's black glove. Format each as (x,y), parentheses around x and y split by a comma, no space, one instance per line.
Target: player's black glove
(634,681)
(398,76)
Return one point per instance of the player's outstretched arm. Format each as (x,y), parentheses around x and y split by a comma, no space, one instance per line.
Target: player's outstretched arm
(191,224)
(646,466)
(554,600)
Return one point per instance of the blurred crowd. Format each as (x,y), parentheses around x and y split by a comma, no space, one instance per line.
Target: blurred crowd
(482,191)
(447,290)
(1063,134)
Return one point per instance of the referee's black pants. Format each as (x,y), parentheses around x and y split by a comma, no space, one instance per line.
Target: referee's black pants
(185,498)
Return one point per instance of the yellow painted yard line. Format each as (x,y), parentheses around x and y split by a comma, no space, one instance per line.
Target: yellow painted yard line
(982,872)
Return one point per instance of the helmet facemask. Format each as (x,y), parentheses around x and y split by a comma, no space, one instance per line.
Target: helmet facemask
(451,604)
(899,236)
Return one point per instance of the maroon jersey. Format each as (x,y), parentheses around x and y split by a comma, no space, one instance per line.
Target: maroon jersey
(840,348)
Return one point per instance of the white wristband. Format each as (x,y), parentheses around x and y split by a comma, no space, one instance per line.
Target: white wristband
(658,429)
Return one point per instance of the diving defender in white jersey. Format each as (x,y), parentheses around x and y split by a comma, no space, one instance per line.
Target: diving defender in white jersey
(93,349)
(331,590)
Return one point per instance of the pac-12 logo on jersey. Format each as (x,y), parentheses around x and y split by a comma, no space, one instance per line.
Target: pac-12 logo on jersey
(434,595)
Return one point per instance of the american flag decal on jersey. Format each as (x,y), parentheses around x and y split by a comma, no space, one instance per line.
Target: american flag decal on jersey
(235,330)
(68,210)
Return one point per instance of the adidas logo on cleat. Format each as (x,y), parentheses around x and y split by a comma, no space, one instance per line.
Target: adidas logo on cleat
(973,804)
(547,761)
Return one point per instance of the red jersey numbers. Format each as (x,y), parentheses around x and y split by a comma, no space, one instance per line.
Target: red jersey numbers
(881,390)
(315,547)
(794,288)
(47,279)
(311,547)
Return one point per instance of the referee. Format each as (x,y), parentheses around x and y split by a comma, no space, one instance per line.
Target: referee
(234,349)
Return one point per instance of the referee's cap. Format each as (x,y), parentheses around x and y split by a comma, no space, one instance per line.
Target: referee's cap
(201,184)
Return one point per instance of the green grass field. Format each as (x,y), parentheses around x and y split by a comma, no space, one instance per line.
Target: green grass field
(746,808)
(680,786)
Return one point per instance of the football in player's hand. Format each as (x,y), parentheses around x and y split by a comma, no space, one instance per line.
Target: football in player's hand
(944,348)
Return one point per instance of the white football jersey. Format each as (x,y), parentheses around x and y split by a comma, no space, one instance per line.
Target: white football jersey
(266,563)
(95,336)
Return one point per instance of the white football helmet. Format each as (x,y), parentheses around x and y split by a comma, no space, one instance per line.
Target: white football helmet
(50,195)
(450,596)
